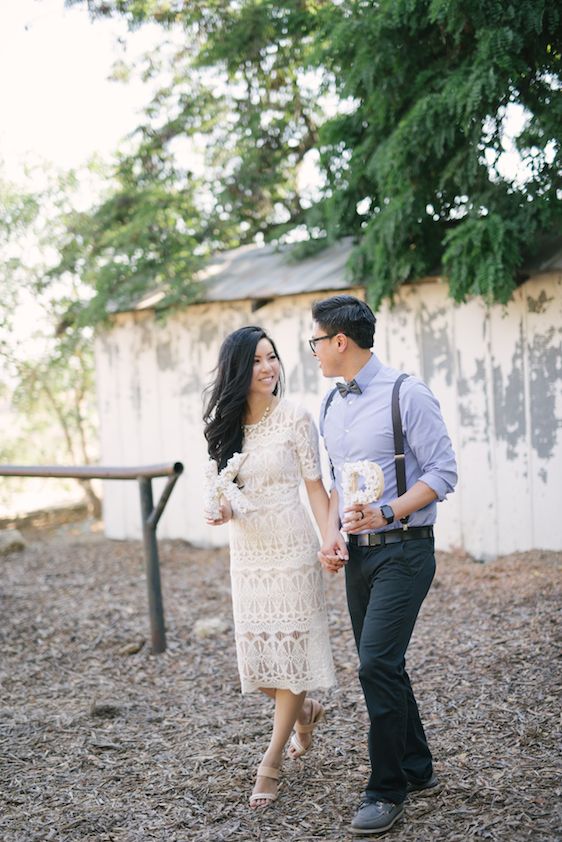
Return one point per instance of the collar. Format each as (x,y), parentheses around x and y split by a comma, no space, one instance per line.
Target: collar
(368,372)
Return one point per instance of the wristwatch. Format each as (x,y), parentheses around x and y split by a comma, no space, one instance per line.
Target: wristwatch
(387,513)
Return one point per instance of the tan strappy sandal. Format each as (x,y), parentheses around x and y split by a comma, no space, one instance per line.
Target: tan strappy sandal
(265,772)
(318,714)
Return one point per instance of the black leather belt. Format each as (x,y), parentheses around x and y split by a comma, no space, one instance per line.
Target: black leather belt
(393,536)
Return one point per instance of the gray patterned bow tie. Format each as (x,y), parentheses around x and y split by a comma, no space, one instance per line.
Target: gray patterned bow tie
(350,388)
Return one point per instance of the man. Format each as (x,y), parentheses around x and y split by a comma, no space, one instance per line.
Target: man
(389,563)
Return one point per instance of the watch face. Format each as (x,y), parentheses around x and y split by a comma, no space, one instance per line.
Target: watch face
(387,513)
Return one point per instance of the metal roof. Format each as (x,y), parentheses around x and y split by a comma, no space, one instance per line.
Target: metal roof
(267,272)
(261,272)
(258,272)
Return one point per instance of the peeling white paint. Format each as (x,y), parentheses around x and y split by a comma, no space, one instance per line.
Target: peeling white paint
(496,371)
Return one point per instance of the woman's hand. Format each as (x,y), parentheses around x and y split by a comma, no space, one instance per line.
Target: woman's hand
(225,514)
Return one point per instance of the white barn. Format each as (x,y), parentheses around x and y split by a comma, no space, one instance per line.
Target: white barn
(496,371)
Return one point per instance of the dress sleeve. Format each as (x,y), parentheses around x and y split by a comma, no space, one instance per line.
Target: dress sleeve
(307,445)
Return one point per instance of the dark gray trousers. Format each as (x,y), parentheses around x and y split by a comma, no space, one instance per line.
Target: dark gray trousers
(385,590)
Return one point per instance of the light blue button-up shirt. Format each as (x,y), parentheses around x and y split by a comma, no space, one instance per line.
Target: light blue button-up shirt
(359,427)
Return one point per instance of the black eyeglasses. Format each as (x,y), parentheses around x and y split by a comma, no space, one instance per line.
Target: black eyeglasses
(312,342)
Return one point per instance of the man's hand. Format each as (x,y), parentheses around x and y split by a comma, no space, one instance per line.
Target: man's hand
(362,518)
(333,553)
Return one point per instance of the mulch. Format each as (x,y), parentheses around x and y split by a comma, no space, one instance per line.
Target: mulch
(100,740)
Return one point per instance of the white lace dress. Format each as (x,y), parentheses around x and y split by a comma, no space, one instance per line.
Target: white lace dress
(279,609)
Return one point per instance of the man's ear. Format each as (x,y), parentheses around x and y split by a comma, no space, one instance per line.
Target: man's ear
(342,342)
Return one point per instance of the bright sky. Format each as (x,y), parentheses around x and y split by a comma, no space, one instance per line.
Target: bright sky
(56,102)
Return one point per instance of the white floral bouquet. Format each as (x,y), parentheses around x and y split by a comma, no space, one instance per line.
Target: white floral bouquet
(221,484)
(369,490)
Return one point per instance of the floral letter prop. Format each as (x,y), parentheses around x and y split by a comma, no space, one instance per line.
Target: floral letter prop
(373,485)
(222,484)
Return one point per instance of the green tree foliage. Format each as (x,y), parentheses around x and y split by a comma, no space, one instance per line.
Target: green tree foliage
(432,83)
(412,155)
(146,234)
(46,373)
(215,162)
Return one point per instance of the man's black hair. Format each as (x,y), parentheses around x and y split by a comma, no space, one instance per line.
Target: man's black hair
(346,314)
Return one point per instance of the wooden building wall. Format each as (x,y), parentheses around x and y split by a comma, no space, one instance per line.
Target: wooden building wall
(496,371)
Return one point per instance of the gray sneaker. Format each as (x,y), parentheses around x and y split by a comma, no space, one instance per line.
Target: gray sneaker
(376,817)
(430,787)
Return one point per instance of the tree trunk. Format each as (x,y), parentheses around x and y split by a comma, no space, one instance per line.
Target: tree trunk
(94,502)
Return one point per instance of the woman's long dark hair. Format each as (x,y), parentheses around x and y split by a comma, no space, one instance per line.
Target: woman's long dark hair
(225,407)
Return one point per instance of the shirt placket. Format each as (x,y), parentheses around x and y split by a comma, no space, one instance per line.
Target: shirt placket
(347,426)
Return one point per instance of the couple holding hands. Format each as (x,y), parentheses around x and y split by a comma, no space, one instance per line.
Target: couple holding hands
(281,625)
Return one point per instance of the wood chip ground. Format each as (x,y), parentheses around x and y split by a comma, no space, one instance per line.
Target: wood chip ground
(100,740)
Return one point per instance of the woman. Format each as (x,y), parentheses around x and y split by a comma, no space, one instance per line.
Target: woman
(280,620)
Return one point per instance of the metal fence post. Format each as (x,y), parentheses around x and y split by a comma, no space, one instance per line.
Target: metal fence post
(155,606)
(150,517)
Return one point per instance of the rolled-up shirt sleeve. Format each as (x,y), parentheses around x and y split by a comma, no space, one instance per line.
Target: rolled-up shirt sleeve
(427,437)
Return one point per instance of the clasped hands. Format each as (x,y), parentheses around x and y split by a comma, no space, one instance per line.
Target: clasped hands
(360,517)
